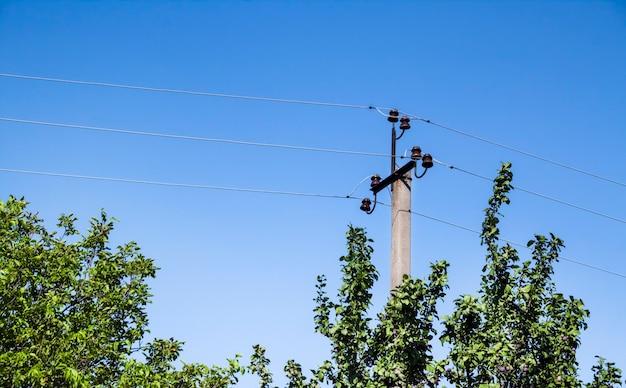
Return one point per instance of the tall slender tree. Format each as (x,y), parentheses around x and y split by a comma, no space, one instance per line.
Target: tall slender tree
(519,331)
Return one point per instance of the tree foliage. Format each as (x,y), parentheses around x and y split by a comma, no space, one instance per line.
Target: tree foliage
(74,310)
(396,351)
(74,314)
(519,331)
(71,310)
(605,374)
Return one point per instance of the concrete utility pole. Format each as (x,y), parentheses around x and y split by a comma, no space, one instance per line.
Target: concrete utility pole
(400,229)
(400,182)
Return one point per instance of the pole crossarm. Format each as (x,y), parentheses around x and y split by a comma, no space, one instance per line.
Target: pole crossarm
(398,174)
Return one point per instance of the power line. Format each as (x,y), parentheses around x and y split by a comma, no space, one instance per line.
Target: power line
(191,92)
(318,103)
(537,194)
(290,147)
(517,150)
(264,191)
(573,261)
(356,187)
(192,138)
(467,229)
(173,184)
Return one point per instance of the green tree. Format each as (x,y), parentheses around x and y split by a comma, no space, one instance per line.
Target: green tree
(605,374)
(74,315)
(519,332)
(396,351)
(74,311)
(71,310)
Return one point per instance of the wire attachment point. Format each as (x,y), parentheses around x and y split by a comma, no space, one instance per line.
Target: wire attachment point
(366,205)
(393,116)
(404,125)
(416,153)
(427,162)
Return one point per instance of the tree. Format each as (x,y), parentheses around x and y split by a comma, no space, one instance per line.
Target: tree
(394,352)
(74,315)
(519,332)
(74,310)
(71,311)
(605,374)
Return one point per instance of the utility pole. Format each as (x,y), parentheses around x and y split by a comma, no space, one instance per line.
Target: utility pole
(400,182)
(400,229)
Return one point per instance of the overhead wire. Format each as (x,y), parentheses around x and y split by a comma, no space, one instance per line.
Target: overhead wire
(375,108)
(297,148)
(184,91)
(511,242)
(517,150)
(172,184)
(356,187)
(378,109)
(192,138)
(535,193)
(520,245)
(264,191)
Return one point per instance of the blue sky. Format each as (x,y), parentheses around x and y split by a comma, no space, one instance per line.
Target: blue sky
(239,269)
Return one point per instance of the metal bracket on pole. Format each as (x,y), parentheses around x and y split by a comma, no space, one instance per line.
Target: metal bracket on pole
(396,175)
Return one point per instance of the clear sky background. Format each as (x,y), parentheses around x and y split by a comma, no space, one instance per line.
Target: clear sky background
(239,269)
